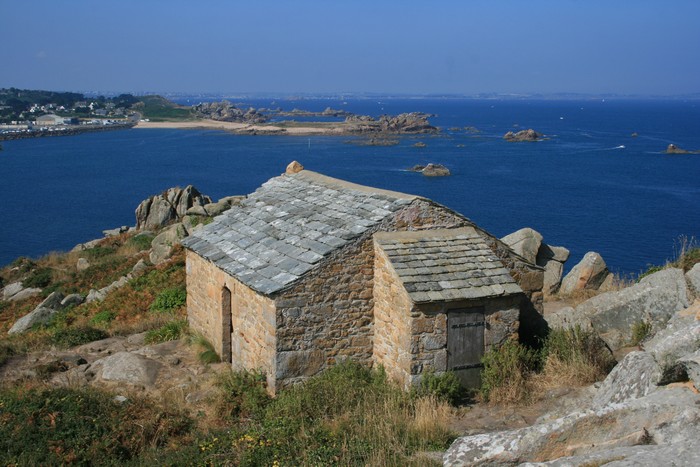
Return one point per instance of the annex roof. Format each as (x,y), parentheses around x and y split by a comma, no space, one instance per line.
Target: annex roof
(446,265)
(290,224)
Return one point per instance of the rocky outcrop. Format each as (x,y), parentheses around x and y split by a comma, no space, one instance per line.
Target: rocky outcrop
(613,315)
(431,170)
(523,136)
(43,313)
(163,244)
(413,122)
(525,242)
(168,207)
(634,418)
(528,243)
(224,111)
(589,274)
(653,300)
(406,123)
(673,149)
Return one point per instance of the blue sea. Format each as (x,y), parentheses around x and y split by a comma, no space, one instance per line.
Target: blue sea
(590,186)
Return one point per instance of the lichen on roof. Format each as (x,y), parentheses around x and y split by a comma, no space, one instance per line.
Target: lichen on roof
(446,265)
(288,225)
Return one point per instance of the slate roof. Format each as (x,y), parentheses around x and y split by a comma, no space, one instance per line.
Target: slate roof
(288,225)
(446,265)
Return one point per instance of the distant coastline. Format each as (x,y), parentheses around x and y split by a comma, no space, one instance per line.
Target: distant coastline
(62,131)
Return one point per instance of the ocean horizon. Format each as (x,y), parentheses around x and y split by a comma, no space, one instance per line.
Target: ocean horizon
(599,182)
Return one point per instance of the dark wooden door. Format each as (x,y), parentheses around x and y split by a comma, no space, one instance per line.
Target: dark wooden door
(226,325)
(465,344)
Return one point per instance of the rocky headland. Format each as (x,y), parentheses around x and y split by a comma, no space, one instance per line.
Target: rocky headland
(108,295)
(224,111)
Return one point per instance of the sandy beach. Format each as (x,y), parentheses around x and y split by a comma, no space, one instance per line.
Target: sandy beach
(245,128)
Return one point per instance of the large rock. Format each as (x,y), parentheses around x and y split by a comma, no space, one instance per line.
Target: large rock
(667,419)
(552,259)
(161,210)
(11,290)
(693,277)
(163,244)
(127,367)
(653,300)
(635,376)
(589,274)
(525,242)
(691,364)
(42,314)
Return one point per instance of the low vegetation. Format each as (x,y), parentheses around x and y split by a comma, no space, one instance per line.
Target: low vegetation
(348,415)
(57,426)
(153,301)
(686,255)
(516,374)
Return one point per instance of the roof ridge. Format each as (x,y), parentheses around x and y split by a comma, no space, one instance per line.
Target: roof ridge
(344,184)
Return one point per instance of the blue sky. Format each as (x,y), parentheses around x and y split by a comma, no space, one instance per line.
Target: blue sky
(594,46)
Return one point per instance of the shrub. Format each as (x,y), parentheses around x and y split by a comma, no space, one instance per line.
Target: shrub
(70,337)
(445,386)
(6,351)
(640,331)
(102,318)
(505,373)
(574,357)
(244,393)
(168,332)
(169,300)
(39,277)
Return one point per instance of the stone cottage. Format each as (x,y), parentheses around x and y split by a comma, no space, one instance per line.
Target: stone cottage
(309,270)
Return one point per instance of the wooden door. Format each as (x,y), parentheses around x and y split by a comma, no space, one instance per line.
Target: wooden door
(465,344)
(226,325)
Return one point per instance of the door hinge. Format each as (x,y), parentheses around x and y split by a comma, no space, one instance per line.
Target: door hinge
(468,366)
(469,325)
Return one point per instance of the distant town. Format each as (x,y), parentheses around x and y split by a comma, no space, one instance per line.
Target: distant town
(29,113)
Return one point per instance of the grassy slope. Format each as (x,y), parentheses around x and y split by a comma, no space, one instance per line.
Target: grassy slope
(158,109)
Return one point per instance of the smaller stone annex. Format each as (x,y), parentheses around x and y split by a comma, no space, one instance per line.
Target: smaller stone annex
(310,270)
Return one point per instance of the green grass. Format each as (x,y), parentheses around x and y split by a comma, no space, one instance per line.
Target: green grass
(206,352)
(170,331)
(103,318)
(158,108)
(72,336)
(640,331)
(142,242)
(169,300)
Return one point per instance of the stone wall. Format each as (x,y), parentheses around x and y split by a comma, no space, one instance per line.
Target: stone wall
(328,315)
(253,316)
(392,321)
